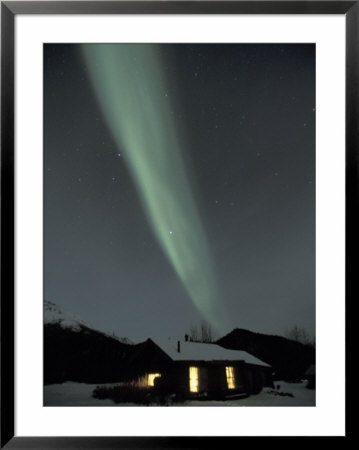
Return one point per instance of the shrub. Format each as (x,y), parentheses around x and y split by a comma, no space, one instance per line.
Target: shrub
(129,393)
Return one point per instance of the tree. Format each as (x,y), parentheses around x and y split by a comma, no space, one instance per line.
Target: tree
(206,332)
(203,333)
(300,334)
(193,333)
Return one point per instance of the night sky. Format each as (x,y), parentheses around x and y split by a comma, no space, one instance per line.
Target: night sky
(179,185)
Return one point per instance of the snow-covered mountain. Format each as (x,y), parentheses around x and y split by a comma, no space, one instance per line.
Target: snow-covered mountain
(75,351)
(53,314)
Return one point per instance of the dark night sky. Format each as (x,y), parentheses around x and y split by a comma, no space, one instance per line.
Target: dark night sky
(248,112)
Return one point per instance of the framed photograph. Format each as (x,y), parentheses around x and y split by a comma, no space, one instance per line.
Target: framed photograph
(179,191)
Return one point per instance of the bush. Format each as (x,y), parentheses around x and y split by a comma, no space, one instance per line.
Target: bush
(129,393)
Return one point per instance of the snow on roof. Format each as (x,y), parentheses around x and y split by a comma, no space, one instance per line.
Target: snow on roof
(199,351)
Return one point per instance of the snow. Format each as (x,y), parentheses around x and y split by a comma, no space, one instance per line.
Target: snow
(200,351)
(269,397)
(80,394)
(53,314)
(73,394)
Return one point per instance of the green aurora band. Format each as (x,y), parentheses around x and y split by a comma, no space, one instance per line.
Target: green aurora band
(129,84)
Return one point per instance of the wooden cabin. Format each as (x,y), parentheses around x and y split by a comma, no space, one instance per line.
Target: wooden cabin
(309,375)
(198,370)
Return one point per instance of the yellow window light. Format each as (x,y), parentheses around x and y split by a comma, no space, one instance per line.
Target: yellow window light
(193,379)
(151,378)
(230,378)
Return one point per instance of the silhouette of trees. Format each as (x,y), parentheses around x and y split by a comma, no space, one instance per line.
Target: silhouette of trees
(201,333)
(300,334)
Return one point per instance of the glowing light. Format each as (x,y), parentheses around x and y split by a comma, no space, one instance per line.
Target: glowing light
(151,378)
(128,82)
(193,379)
(231,384)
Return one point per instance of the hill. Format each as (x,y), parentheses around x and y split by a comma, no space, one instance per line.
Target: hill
(74,351)
(289,359)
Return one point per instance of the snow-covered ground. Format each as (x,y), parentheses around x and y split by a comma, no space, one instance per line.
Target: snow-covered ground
(73,394)
(270,397)
(80,394)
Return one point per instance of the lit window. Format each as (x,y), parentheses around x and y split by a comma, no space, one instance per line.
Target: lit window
(151,378)
(230,378)
(193,379)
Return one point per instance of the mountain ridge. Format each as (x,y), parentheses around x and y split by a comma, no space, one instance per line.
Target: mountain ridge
(289,358)
(75,351)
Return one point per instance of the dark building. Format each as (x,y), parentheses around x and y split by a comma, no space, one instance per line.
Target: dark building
(198,370)
(309,375)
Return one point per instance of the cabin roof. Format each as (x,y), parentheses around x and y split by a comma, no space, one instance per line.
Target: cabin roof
(199,351)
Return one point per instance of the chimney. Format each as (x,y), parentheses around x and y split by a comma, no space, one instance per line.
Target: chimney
(179,346)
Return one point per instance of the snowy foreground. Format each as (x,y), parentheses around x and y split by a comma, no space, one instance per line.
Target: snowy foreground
(80,394)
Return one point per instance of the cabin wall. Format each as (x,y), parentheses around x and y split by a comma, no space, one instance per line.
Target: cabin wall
(257,377)
(179,379)
(212,380)
(216,379)
(148,360)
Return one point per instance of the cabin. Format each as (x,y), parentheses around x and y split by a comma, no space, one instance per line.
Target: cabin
(198,370)
(309,375)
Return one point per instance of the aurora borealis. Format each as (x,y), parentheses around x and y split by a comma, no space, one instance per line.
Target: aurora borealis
(128,82)
(179,185)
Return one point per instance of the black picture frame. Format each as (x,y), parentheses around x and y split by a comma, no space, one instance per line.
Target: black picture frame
(9,10)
